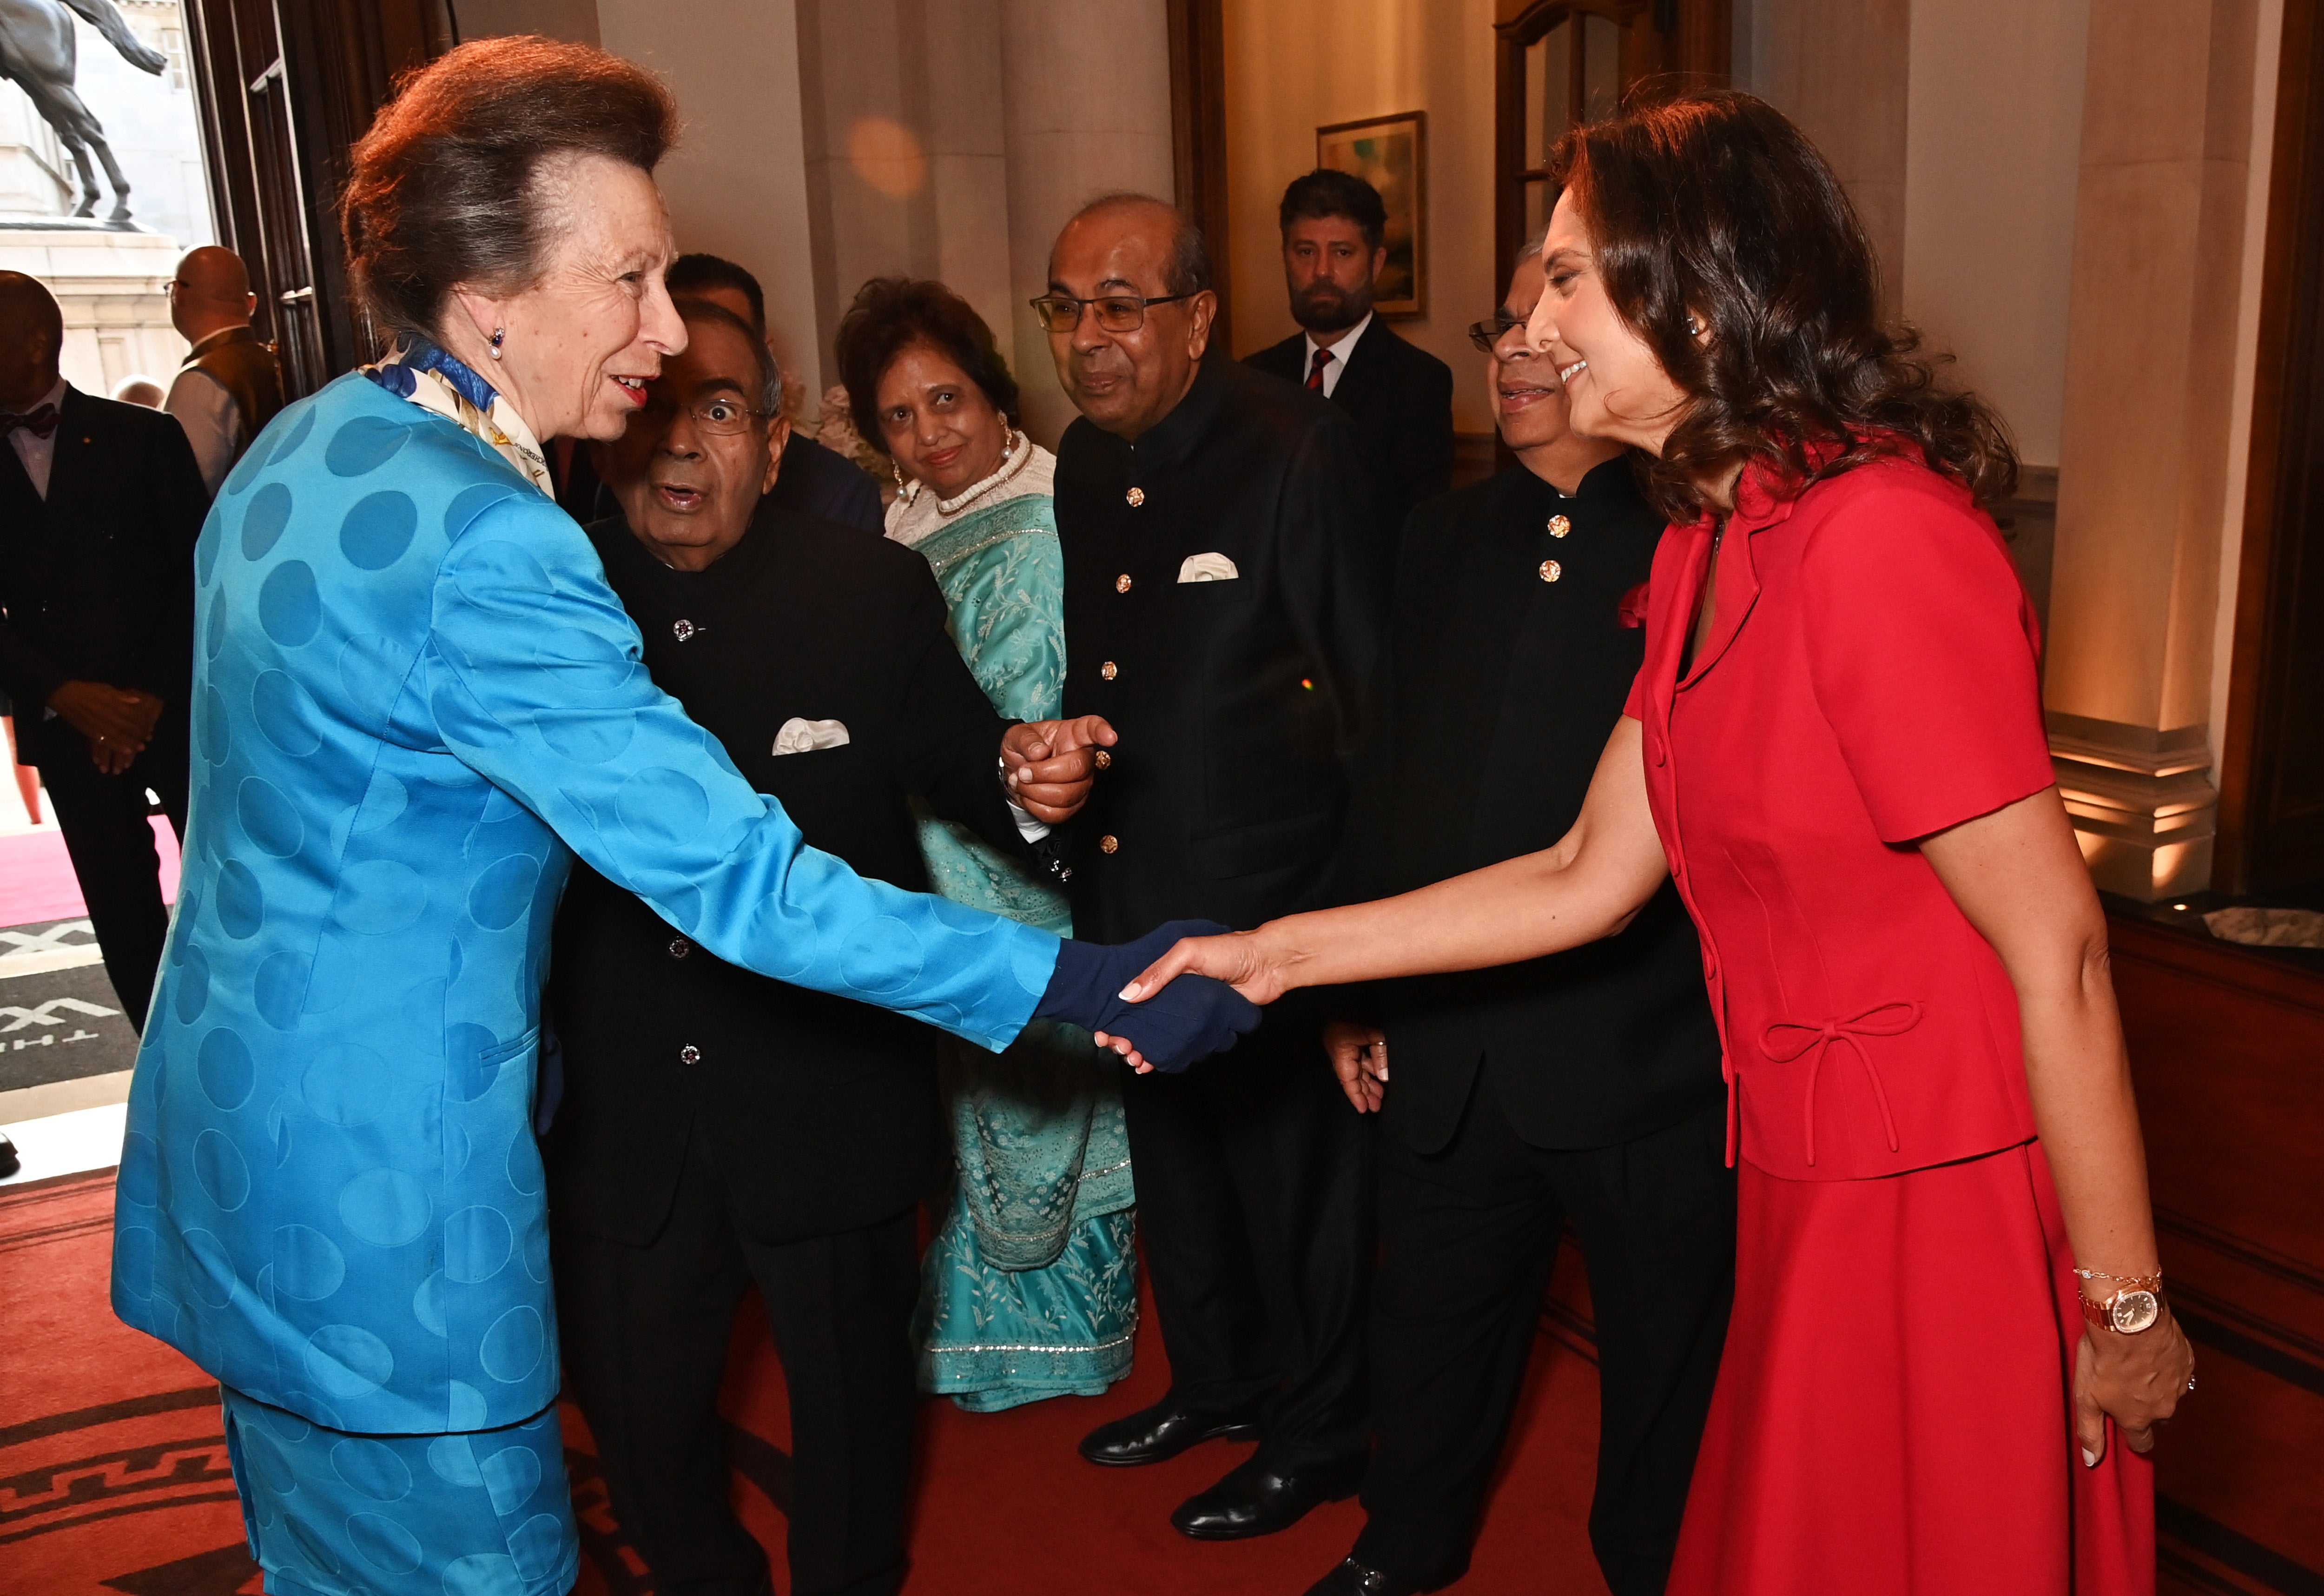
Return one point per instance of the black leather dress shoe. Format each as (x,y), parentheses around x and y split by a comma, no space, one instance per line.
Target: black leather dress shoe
(1163,1431)
(1352,1578)
(1259,1498)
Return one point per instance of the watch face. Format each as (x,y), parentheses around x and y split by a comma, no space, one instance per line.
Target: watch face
(2133,1311)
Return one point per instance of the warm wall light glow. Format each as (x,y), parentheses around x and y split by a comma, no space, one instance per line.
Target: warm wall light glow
(887,156)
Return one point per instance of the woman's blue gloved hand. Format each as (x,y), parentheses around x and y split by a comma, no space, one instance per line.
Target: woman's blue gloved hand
(1186,1021)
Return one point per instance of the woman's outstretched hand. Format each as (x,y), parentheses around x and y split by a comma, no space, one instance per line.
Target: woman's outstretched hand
(1181,1027)
(1238,958)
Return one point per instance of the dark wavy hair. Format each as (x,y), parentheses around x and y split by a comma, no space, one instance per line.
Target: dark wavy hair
(891,314)
(1715,205)
(444,190)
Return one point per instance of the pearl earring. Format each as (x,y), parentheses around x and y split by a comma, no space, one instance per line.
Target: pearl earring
(1693,329)
(498,334)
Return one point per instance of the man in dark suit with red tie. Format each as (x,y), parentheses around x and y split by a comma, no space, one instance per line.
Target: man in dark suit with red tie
(1401,398)
(99,507)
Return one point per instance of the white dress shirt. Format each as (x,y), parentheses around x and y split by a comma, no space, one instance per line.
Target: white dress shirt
(35,451)
(1339,352)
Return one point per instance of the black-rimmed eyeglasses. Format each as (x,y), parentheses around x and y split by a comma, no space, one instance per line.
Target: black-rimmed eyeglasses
(1117,313)
(1487,334)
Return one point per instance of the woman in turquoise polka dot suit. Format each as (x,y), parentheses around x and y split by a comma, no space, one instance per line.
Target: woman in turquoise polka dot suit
(414,693)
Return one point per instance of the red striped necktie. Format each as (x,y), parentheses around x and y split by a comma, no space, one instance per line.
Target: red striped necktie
(1315,371)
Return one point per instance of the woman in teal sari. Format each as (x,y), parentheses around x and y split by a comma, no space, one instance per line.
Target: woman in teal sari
(1030,1287)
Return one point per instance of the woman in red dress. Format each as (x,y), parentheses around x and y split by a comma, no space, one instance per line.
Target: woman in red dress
(1836,748)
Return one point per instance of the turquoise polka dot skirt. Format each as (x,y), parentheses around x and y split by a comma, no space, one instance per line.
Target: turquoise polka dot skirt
(476,1513)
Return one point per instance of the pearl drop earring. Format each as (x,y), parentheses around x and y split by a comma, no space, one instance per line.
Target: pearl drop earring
(498,334)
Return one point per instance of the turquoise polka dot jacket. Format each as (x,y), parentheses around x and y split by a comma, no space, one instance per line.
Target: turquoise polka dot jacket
(415,699)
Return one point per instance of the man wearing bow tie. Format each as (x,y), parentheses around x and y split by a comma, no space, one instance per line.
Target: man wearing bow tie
(100,505)
(1224,587)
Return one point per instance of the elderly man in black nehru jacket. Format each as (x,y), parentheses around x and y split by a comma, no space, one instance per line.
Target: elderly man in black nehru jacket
(1581,1088)
(717,1128)
(1334,232)
(100,505)
(1224,598)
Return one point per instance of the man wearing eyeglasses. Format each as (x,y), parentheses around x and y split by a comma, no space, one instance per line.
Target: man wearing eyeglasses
(717,1128)
(1582,1089)
(1225,588)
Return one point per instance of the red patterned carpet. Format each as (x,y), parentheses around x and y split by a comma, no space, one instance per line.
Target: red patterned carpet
(112,1473)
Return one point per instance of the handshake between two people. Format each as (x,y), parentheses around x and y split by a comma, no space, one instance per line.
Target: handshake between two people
(1193,988)
(1157,1002)
(1047,768)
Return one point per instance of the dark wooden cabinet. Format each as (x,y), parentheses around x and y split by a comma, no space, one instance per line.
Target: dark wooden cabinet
(2272,756)
(2227,1047)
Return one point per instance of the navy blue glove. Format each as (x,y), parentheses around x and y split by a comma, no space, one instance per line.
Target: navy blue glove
(1185,1022)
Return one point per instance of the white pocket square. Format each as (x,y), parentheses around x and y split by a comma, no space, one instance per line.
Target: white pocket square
(800,735)
(1208,568)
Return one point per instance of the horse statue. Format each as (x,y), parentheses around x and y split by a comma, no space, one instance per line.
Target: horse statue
(39,54)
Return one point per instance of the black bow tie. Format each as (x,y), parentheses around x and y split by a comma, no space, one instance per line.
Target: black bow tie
(39,423)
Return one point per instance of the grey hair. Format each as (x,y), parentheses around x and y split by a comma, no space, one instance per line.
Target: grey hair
(770,374)
(1188,269)
(1529,252)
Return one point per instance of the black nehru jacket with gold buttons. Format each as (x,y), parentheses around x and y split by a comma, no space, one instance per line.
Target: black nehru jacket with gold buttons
(1240,698)
(821,1114)
(1509,656)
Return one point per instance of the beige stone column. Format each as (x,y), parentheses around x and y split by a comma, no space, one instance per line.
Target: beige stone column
(735,184)
(906,170)
(952,138)
(1087,112)
(2144,443)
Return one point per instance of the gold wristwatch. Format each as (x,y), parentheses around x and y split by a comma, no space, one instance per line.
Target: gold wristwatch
(2135,1305)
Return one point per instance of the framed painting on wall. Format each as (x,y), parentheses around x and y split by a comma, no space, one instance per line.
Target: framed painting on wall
(1391,154)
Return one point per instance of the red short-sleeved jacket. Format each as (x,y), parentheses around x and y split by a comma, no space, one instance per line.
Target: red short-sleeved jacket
(1870,680)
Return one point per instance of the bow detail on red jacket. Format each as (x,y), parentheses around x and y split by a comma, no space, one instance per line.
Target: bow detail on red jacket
(1787,1039)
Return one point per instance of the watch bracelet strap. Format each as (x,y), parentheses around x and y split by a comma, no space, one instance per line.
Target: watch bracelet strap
(2102,1313)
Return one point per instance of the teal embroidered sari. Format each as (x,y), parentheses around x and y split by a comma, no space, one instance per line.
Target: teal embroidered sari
(1030,1287)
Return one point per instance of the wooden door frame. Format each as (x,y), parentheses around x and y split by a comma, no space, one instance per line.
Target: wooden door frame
(216,57)
(1198,137)
(336,63)
(1687,45)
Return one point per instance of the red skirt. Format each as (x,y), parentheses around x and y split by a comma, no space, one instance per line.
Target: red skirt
(1894,1412)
